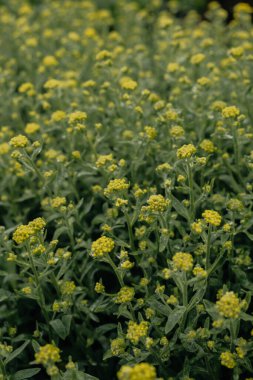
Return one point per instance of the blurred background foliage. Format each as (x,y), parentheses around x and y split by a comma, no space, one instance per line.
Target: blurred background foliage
(183,6)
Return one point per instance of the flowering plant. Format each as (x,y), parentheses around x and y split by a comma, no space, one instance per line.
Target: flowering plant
(126,199)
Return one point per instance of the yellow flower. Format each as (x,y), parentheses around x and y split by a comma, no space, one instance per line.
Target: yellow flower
(24,232)
(228,359)
(229,305)
(52,83)
(68,288)
(27,290)
(102,246)
(4,148)
(50,60)
(128,83)
(157,203)
(183,261)
(102,55)
(212,217)
(177,131)
(26,87)
(48,355)
(172,300)
(121,202)
(135,331)
(126,294)
(186,151)
(116,185)
(230,112)
(141,371)
(199,272)
(58,115)
(197,227)
(77,117)
(19,141)
(99,288)
(32,128)
(235,205)
(197,59)
(173,67)
(150,132)
(203,81)
(207,146)
(243,8)
(236,52)
(118,346)
(57,202)
(102,160)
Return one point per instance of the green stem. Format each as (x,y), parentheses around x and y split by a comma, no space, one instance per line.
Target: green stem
(40,292)
(208,248)
(233,334)
(115,269)
(130,231)
(70,234)
(3,370)
(190,183)
(185,301)
(236,148)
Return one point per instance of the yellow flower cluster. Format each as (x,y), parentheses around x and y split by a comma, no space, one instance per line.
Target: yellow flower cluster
(141,371)
(19,141)
(32,128)
(235,205)
(102,160)
(48,355)
(77,117)
(115,186)
(212,217)
(229,305)
(57,202)
(25,231)
(128,83)
(207,146)
(197,227)
(177,131)
(136,331)
(118,346)
(196,59)
(243,8)
(228,359)
(182,261)
(102,246)
(186,151)
(199,272)
(99,288)
(126,294)
(230,112)
(150,132)
(157,203)
(68,288)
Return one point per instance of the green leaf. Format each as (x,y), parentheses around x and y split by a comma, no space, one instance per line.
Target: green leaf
(197,298)
(77,375)
(59,328)
(246,317)
(210,308)
(17,352)
(66,320)
(163,243)
(26,373)
(174,318)
(35,345)
(160,307)
(179,207)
